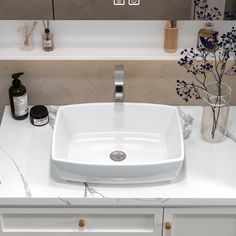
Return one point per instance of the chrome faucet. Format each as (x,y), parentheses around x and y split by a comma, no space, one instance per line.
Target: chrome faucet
(119,74)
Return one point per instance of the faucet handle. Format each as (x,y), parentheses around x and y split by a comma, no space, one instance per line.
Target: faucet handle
(119,74)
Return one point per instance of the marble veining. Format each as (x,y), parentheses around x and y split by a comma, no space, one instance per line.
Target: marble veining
(91,191)
(66,201)
(24,181)
(205,176)
(52,115)
(187,123)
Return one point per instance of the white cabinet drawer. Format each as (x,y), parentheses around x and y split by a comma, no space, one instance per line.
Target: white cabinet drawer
(98,221)
(200,222)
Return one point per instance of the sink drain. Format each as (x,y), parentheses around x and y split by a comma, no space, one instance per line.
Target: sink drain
(117,156)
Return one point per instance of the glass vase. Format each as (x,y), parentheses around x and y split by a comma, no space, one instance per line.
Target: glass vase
(26,38)
(215,112)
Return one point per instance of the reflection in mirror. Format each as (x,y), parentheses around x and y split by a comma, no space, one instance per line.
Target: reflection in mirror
(214,10)
(230,10)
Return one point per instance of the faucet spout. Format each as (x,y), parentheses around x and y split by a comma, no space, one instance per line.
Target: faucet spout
(119,74)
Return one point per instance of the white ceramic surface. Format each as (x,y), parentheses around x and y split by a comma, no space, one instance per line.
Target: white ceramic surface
(85,135)
(208,177)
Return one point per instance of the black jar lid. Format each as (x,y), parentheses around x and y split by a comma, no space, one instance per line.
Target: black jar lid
(38,112)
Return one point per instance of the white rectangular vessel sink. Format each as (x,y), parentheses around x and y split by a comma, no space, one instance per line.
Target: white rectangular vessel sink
(117,143)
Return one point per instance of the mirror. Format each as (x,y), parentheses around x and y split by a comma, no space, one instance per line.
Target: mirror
(230,10)
(118,9)
(145,9)
(214,10)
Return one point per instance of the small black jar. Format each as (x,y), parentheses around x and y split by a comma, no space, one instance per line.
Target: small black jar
(39,115)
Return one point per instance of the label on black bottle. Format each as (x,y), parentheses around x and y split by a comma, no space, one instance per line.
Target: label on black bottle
(47,43)
(21,105)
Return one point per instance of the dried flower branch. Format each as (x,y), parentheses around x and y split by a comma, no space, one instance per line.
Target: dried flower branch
(204,63)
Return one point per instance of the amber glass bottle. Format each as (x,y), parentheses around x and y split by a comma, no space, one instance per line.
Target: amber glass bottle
(18,98)
(171,36)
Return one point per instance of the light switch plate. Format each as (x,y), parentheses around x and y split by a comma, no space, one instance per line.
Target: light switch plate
(119,2)
(134,2)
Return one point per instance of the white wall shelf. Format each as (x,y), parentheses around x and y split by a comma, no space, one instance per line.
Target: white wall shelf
(103,40)
(87,52)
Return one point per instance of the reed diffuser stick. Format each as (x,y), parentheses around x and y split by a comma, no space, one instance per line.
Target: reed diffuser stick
(27,33)
(44,24)
(26,30)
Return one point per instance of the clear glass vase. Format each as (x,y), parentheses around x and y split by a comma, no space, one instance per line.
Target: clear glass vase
(215,112)
(26,37)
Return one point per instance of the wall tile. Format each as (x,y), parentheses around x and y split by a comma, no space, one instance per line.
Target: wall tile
(67,82)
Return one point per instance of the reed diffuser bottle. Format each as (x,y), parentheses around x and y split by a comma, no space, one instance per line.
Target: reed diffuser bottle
(171,36)
(47,37)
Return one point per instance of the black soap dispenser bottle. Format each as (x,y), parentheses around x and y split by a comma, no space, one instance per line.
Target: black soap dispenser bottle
(18,98)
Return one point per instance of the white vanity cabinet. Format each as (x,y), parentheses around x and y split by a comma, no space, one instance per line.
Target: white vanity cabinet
(199,222)
(122,221)
(84,221)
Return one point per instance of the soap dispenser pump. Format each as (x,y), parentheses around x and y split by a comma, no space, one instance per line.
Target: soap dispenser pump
(18,98)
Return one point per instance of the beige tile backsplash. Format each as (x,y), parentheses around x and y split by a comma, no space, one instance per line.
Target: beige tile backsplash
(67,82)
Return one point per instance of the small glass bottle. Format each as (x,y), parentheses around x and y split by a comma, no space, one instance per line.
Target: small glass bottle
(171,36)
(207,36)
(48,40)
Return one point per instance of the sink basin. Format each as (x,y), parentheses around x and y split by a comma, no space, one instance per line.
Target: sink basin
(118,143)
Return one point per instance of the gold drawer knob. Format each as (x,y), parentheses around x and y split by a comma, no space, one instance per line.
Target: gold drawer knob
(167,225)
(81,223)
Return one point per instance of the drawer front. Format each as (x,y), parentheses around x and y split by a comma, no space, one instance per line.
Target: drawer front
(26,9)
(120,221)
(105,10)
(199,222)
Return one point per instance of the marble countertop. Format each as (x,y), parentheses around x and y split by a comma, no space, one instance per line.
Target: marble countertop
(208,176)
